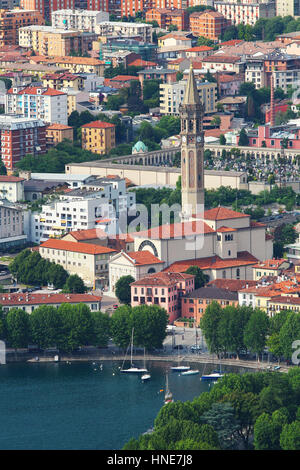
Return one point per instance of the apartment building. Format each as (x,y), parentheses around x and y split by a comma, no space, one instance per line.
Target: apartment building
(47,7)
(80,20)
(194,304)
(166,17)
(287,8)
(39,103)
(56,133)
(119,29)
(29,302)
(88,261)
(172,94)
(54,42)
(163,289)
(98,137)
(86,65)
(21,136)
(11,226)
(222,63)
(246,13)
(103,199)
(57,81)
(209,24)
(12,20)
(11,188)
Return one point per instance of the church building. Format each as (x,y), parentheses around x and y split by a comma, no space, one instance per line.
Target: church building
(222,242)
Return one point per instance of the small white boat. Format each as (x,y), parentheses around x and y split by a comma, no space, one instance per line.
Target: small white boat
(145,377)
(191,372)
(180,368)
(213,376)
(132,369)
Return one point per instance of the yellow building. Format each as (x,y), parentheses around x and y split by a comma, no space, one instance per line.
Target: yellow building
(270,267)
(63,80)
(56,133)
(72,64)
(98,137)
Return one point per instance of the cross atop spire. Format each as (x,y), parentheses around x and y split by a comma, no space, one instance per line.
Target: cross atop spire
(191,93)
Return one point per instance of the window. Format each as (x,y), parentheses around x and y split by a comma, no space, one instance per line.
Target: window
(224,274)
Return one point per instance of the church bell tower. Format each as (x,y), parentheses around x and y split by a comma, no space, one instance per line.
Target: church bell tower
(192,150)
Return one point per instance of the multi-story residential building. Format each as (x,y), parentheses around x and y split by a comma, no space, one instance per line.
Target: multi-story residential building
(11,188)
(229,85)
(80,20)
(39,103)
(222,63)
(46,7)
(136,264)
(166,75)
(56,133)
(88,261)
(119,29)
(269,267)
(166,17)
(21,136)
(178,38)
(209,24)
(246,13)
(198,52)
(12,20)
(287,8)
(172,94)
(54,42)
(9,4)
(98,137)
(72,64)
(57,81)
(163,289)
(11,226)
(81,209)
(29,302)
(271,137)
(194,304)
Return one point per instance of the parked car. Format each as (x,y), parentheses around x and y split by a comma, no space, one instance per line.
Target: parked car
(196,347)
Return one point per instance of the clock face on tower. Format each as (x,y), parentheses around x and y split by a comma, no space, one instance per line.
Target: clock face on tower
(199,138)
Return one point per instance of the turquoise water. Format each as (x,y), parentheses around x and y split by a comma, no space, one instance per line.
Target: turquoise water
(80,406)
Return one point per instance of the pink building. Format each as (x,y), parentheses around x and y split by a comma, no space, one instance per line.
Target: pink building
(163,289)
(271,137)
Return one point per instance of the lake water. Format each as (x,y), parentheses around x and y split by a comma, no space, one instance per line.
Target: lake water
(80,406)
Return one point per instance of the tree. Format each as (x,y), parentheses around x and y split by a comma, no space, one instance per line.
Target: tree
(256,331)
(150,325)
(78,325)
(123,289)
(200,278)
(102,323)
(74,285)
(209,324)
(216,121)
(46,327)
(57,275)
(290,436)
(289,332)
(18,330)
(243,138)
(222,139)
(121,326)
(231,328)
(3,170)
(221,417)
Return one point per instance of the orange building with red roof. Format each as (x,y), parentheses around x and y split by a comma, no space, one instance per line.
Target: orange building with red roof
(56,133)
(209,24)
(166,17)
(98,137)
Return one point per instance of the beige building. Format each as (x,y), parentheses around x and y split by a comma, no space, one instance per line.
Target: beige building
(136,264)
(81,20)
(48,41)
(270,267)
(12,188)
(56,133)
(73,64)
(287,7)
(11,226)
(172,94)
(87,260)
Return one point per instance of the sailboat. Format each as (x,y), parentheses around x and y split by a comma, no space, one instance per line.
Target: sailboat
(215,375)
(132,369)
(145,376)
(179,368)
(168,393)
(192,371)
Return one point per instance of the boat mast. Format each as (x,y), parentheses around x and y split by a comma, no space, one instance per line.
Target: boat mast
(131,347)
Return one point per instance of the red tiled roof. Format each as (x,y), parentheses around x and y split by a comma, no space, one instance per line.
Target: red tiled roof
(271,264)
(98,125)
(88,248)
(143,257)
(142,63)
(231,42)
(58,127)
(282,299)
(221,59)
(177,230)
(222,213)
(163,279)
(33,91)
(215,14)
(37,299)
(213,262)
(199,49)
(88,234)
(123,78)
(233,285)
(226,229)
(10,179)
